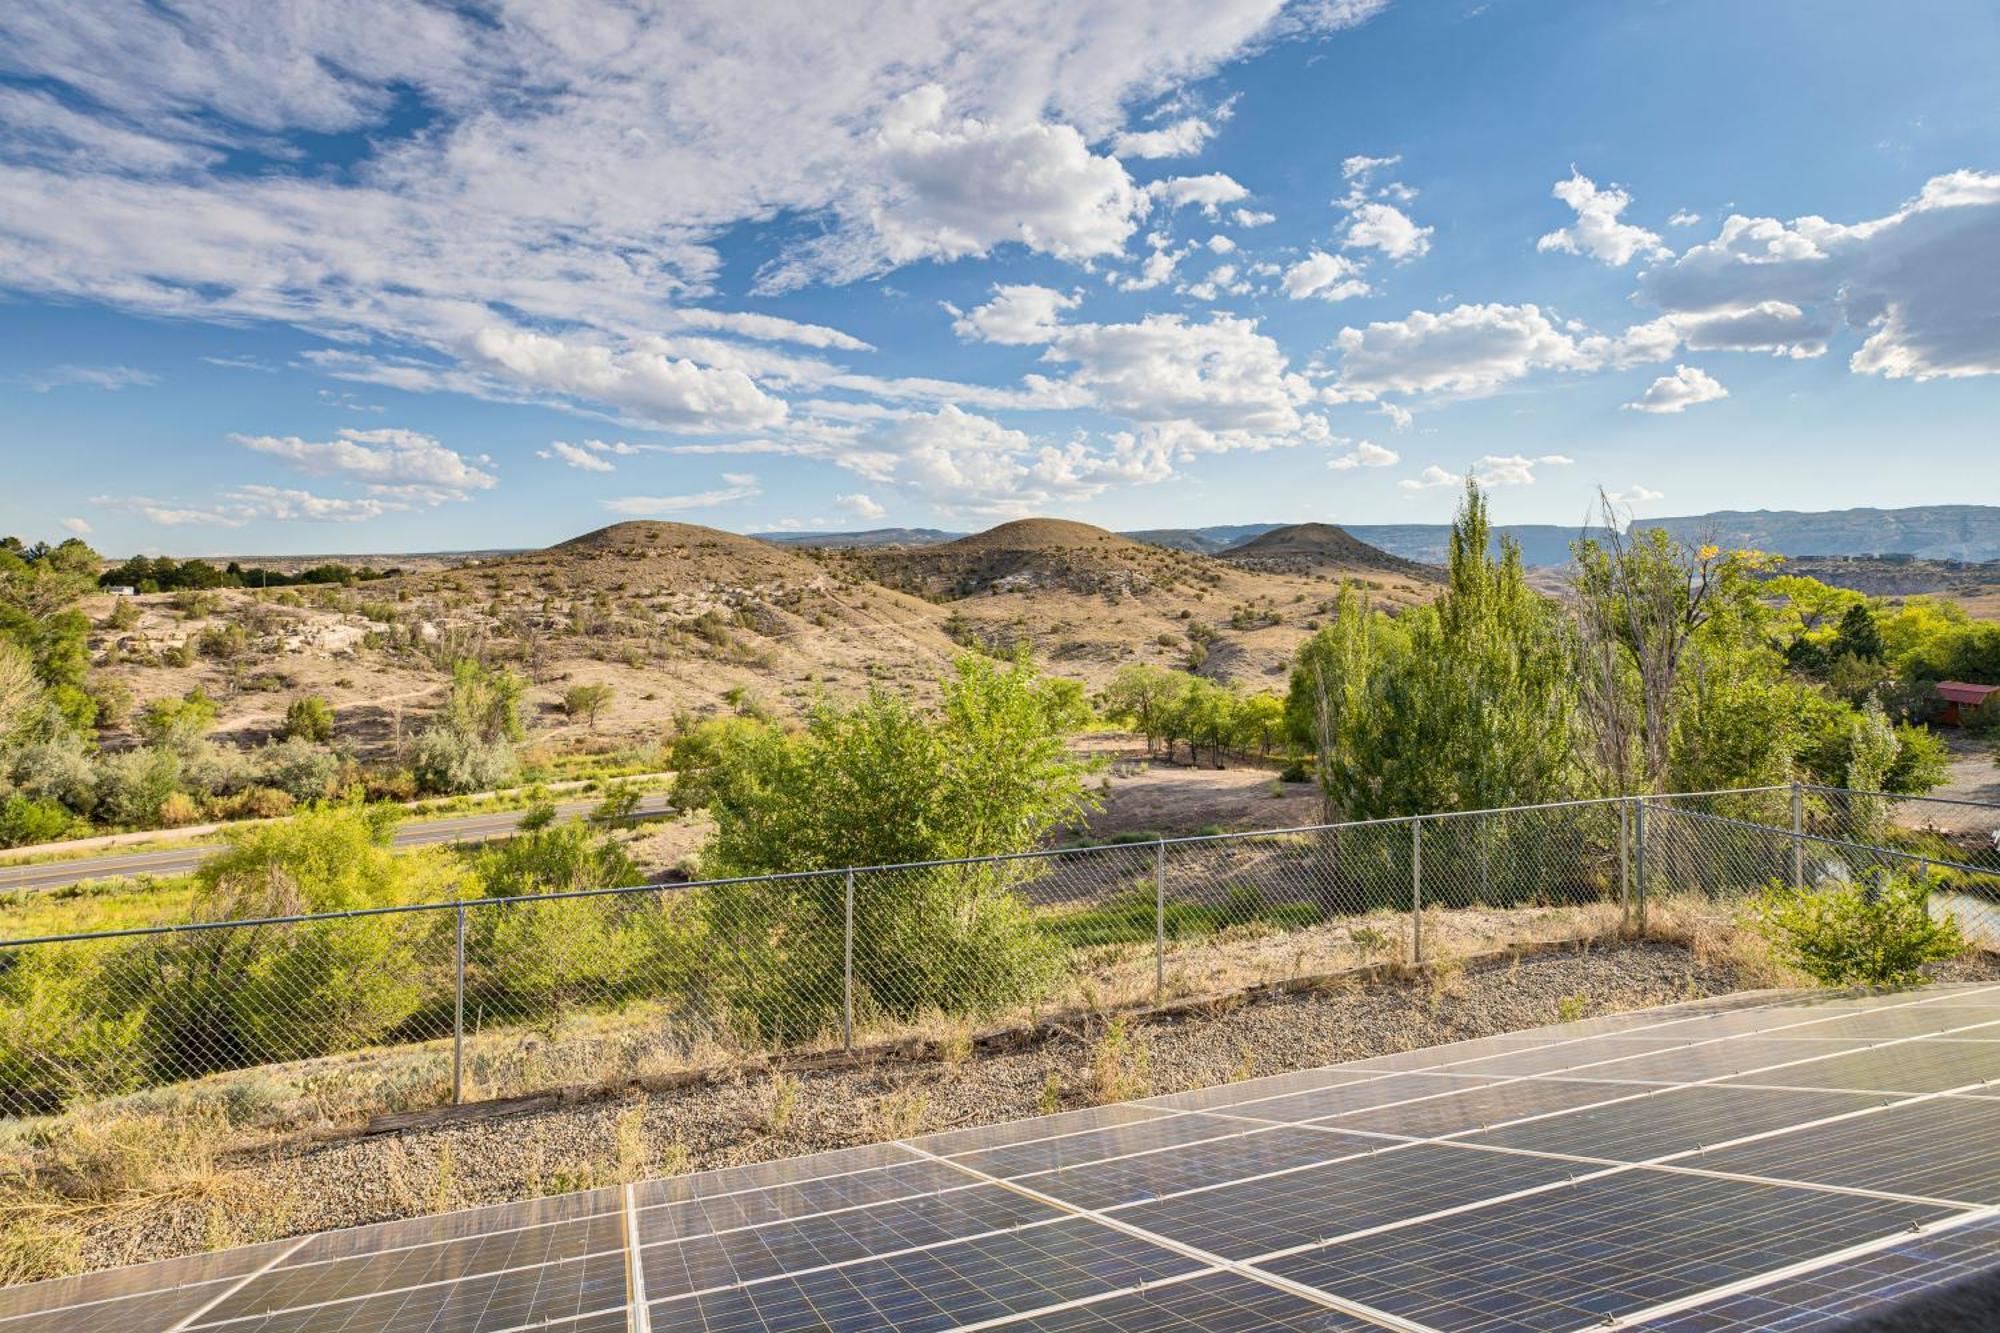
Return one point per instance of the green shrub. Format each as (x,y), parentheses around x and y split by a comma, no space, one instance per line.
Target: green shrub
(25,821)
(1875,934)
(298,768)
(450,761)
(309,718)
(133,786)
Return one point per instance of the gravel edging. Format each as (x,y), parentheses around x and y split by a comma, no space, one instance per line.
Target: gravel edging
(311,1186)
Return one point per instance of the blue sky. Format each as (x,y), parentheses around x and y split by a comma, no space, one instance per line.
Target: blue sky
(398,276)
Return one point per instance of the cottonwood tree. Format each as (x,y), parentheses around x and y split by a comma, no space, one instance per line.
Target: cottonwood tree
(1641,603)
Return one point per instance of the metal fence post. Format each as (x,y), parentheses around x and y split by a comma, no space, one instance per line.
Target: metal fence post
(458,1017)
(1417,891)
(1639,863)
(1160,921)
(1625,860)
(1798,837)
(847,972)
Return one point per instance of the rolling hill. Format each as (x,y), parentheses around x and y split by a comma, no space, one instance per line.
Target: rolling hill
(1306,548)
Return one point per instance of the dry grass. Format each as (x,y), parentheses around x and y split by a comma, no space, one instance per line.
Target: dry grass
(1120,1064)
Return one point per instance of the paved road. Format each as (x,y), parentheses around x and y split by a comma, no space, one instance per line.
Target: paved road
(180,860)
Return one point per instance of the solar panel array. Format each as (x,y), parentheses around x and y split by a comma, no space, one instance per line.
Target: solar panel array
(1763,1161)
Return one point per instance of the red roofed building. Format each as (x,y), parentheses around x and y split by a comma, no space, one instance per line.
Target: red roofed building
(1961,700)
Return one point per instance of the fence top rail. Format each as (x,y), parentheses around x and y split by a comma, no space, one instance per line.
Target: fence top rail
(832,872)
(1898,796)
(1873,849)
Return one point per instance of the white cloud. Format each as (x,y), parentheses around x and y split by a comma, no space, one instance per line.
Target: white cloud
(243,505)
(392,461)
(1918,282)
(644,378)
(1469,349)
(1597,232)
(1430,478)
(1182,138)
(76,525)
(1328,277)
(286,505)
(109,378)
(739,487)
(1019,315)
(1679,391)
(1387,228)
(1364,454)
(1634,494)
(1361,166)
(1514,469)
(1400,417)
(575,167)
(1208,193)
(1221,378)
(575,456)
(953,189)
(1221,245)
(861,506)
(1681,218)
(1250,217)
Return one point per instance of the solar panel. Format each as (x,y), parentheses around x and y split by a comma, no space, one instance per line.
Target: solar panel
(1762,1161)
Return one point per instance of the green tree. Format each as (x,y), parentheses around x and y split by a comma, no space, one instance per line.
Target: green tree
(40,587)
(586,701)
(179,725)
(1858,635)
(1141,696)
(881,782)
(1469,704)
(309,718)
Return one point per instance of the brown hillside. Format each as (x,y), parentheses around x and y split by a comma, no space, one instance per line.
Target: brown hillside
(1321,548)
(1031,554)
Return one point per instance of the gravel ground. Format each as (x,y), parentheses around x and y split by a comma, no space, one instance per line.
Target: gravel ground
(313,1186)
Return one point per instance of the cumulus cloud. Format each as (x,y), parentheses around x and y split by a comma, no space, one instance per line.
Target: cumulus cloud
(1679,391)
(1387,228)
(1327,277)
(80,527)
(1208,193)
(1364,454)
(1019,314)
(1431,478)
(1683,218)
(1372,223)
(1218,378)
(1469,349)
(390,461)
(1597,232)
(1250,217)
(643,377)
(862,506)
(1917,283)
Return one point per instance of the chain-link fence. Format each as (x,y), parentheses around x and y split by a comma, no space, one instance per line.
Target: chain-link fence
(324,1018)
